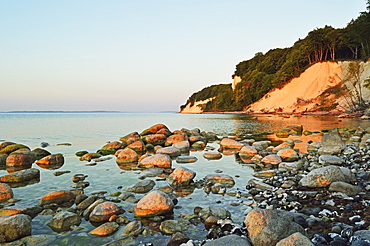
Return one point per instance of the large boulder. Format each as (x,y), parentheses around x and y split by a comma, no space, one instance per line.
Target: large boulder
(157,160)
(20,157)
(57,197)
(103,211)
(175,138)
(12,147)
(171,151)
(130,138)
(40,153)
(228,143)
(14,227)
(248,151)
(271,159)
(181,176)
(63,221)
(153,129)
(51,160)
(345,188)
(297,239)
(331,143)
(137,146)
(21,176)
(155,139)
(154,203)
(268,227)
(110,148)
(288,155)
(5,192)
(126,155)
(105,229)
(322,177)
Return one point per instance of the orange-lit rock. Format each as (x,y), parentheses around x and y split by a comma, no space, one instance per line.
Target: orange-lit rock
(288,155)
(219,178)
(154,203)
(271,159)
(57,159)
(176,138)
(155,139)
(153,129)
(138,146)
(157,160)
(130,138)
(228,143)
(5,192)
(18,160)
(126,155)
(105,229)
(181,176)
(248,151)
(58,197)
(103,211)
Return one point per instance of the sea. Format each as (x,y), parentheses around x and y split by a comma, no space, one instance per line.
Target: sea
(69,132)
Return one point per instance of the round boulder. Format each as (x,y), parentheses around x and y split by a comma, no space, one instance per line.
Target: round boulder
(154,203)
(103,211)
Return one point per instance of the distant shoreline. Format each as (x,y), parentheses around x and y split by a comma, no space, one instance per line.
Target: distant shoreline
(76,112)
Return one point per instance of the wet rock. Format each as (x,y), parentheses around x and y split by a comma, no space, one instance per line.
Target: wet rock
(295,239)
(5,192)
(152,172)
(219,178)
(345,188)
(130,138)
(40,153)
(157,160)
(248,151)
(89,156)
(176,138)
(177,239)
(331,143)
(63,221)
(155,139)
(14,227)
(212,155)
(20,157)
(104,230)
(284,145)
(289,166)
(3,159)
(265,173)
(138,147)
(183,146)
(208,211)
(126,155)
(57,197)
(227,143)
(322,177)
(81,153)
(173,226)
(259,184)
(133,228)
(31,211)
(103,211)
(110,148)
(56,159)
(186,159)
(141,186)
(271,159)
(40,240)
(181,176)
(152,204)
(288,155)
(268,227)
(21,176)
(199,145)
(330,160)
(153,129)
(171,151)
(231,240)
(12,147)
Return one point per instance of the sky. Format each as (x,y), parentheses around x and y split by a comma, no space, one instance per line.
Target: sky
(142,55)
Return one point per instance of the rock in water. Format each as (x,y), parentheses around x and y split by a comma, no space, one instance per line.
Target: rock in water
(154,203)
(181,176)
(63,221)
(332,143)
(14,227)
(322,177)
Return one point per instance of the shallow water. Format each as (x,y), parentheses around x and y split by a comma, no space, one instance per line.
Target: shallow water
(90,131)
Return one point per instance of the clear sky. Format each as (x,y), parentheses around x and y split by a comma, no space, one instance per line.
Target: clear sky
(142,55)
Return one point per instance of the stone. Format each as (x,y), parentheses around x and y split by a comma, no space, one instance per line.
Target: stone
(153,129)
(265,173)
(177,239)
(56,160)
(208,211)
(126,155)
(140,187)
(268,227)
(176,138)
(330,160)
(261,144)
(152,204)
(14,227)
(260,185)
(181,176)
(230,240)
(173,226)
(219,178)
(331,143)
(183,146)
(212,155)
(3,159)
(31,211)
(63,221)
(228,143)
(199,145)
(19,159)
(89,156)
(21,176)
(186,159)
(288,155)
(133,228)
(322,177)
(248,151)
(4,144)
(171,151)
(137,146)
(5,192)
(271,159)
(345,188)
(152,172)
(110,148)
(157,160)
(296,239)
(12,147)
(40,153)
(130,138)
(155,139)
(103,211)
(106,229)
(289,166)
(284,145)
(58,197)
(87,202)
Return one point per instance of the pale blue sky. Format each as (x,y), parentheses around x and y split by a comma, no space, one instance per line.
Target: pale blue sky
(142,55)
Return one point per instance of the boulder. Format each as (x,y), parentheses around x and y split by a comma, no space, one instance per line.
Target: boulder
(175,138)
(137,146)
(288,155)
(40,153)
(133,228)
(186,159)
(230,240)
(110,148)
(212,155)
(171,151)
(51,160)
(14,227)
(322,177)
(198,145)
(331,143)
(5,192)
(330,160)
(130,138)
(21,176)
(20,157)
(152,204)
(153,129)
(63,221)
(177,239)
(173,226)
(4,144)
(284,145)
(103,211)
(126,155)
(89,156)
(297,239)
(208,211)
(261,144)
(348,189)
(12,147)
(181,176)
(183,146)
(140,187)
(268,227)
(3,159)
(271,159)
(248,151)
(155,139)
(219,178)
(228,143)
(106,229)
(57,197)
(157,160)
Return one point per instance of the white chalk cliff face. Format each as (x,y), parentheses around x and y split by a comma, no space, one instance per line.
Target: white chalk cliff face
(196,108)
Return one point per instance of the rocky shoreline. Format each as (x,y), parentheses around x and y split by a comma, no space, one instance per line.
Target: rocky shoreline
(316,198)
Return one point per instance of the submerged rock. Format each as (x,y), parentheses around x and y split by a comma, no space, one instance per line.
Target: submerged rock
(63,221)
(141,186)
(14,227)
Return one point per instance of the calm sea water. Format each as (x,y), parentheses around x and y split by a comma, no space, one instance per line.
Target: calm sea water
(90,131)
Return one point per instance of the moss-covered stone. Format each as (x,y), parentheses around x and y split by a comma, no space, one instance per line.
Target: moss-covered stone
(13,147)
(81,153)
